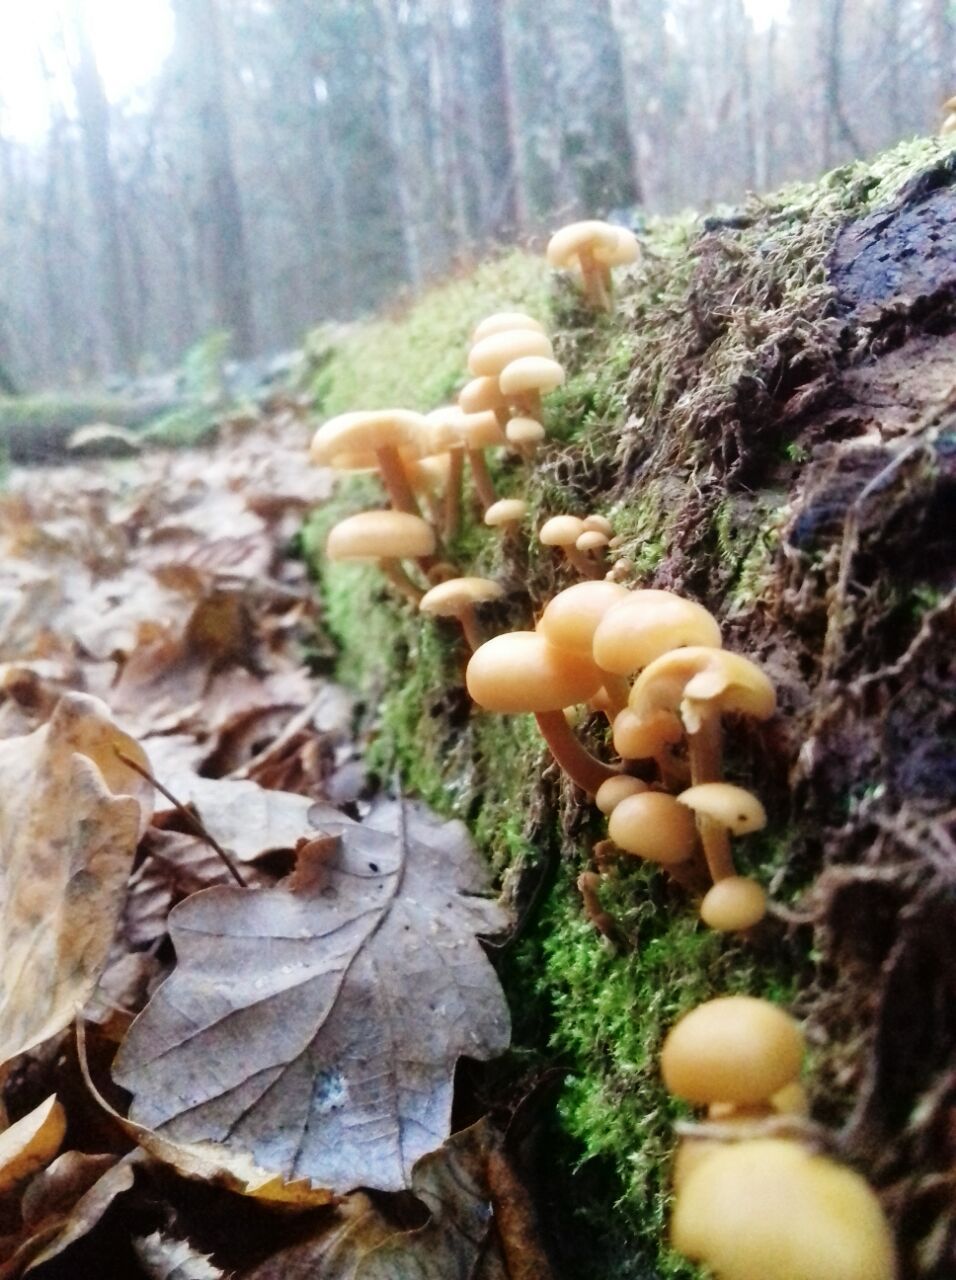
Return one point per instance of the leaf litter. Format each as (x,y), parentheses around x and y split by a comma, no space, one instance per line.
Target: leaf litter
(293,1041)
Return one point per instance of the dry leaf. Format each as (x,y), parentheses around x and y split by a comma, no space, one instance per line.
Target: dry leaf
(31,1143)
(243,817)
(85,1213)
(70,816)
(317,1028)
(164,1258)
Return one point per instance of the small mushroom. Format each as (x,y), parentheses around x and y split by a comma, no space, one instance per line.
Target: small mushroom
(578,245)
(526,379)
(483,395)
(599,523)
(651,737)
(563,532)
(488,357)
(625,251)
(381,438)
(522,672)
(733,1049)
(591,543)
(723,810)
(653,826)
(525,434)
(770,1209)
(611,793)
(384,538)
(648,624)
(456,598)
(478,432)
(733,904)
(506,514)
(503,322)
(569,620)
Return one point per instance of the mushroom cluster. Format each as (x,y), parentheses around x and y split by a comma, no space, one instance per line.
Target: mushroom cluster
(753,1198)
(653,663)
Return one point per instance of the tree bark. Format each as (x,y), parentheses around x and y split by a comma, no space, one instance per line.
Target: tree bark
(221,219)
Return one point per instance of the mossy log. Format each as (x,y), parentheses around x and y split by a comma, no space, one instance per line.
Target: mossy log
(36,428)
(769,420)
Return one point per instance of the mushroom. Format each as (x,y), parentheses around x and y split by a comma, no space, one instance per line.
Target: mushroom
(579,245)
(591,543)
(599,523)
(482,395)
(525,434)
(625,251)
(733,904)
(522,672)
(506,514)
(651,737)
(488,357)
(770,1209)
(379,437)
(620,570)
(733,1049)
(563,532)
(723,809)
(569,620)
(526,379)
(478,432)
(611,793)
(456,598)
(385,538)
(647,624)
(652,825)
(503,322)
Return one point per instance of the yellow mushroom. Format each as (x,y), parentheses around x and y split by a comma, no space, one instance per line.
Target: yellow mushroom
(383,538)
(456,598)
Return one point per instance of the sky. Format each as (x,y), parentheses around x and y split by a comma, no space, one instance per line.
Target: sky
(131,38)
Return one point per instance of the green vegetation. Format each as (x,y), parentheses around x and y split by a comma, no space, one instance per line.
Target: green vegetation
(676,379)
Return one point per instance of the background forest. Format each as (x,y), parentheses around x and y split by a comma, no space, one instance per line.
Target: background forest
(284,162)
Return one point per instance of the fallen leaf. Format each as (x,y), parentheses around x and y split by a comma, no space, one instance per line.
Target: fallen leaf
(85,1213)
(318,1030)
(243,817)
(31,1143)
(165,1258)
(70,816)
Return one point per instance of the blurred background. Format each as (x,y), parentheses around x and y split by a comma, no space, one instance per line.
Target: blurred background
(171,167)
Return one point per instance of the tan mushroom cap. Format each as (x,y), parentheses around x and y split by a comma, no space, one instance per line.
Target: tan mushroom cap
(481,394)
(611,793)
(502,322)
(733,904)
(524,431)
(488,357)
(770,1209)
(626,249)
(699,677)
(449,599)
(522,672)
(354,437)
(648,624)
(380,535)
(561,531)
(653,825)
(600,523)
(592,540)
(429,474)
(733,808)
(442,432)
(567,244)
(506,511)
(480,430)
(732,1049)
(570,618)
(530,373)
(643,737)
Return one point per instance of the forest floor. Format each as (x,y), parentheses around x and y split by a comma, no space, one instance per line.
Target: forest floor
(768,421)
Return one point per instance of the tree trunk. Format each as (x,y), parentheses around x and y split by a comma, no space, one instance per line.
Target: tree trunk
(403,156)
(203,69)
(118,347)
(501,132)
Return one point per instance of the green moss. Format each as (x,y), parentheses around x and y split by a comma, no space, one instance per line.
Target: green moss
(675,380)
(415,358)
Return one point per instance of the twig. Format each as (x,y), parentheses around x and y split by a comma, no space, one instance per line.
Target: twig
(189,817)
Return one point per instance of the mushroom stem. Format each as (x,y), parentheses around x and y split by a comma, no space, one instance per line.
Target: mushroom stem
(705,751)
(592,279)
(582,563)
(618,691)
(529,402)
(470,628)
(399,491)
(482,478)
(401,581)
(584,770)
(452,512)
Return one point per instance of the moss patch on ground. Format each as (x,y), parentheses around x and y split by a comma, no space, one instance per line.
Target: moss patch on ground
(688,418)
